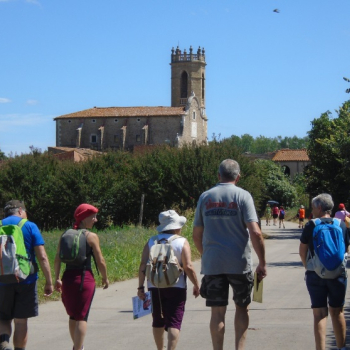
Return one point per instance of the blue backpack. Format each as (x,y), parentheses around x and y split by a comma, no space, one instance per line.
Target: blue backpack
(330,258)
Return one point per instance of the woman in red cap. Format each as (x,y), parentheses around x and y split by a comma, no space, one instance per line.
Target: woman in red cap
(77,296)
(341,213)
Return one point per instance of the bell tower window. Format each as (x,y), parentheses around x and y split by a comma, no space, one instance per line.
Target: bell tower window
(184,82)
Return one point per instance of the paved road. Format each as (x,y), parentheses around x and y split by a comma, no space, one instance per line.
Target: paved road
(282,321)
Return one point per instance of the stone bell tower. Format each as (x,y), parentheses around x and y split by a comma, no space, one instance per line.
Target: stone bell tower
(187,75)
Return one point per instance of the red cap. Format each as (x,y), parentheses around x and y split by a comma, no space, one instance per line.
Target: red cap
(82,212)
(341,206)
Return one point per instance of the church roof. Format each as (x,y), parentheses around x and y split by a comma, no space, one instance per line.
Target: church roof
(124,112)
(291,155)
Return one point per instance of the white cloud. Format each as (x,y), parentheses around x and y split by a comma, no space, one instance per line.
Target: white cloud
(9,121)
(4,99)
(32,102)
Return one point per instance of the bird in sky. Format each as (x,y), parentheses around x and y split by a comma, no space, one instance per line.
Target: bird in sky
(276,10)
(346,79)
(347,91)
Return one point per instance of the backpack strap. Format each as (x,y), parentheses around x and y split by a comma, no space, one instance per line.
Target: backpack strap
(316,221)
(336,222)
(172,238)
(21,223)
(169,240)
(92,251)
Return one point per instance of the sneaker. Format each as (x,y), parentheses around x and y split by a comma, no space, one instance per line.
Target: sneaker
(5,346)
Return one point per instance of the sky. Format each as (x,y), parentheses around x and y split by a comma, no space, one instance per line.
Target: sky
(267,73)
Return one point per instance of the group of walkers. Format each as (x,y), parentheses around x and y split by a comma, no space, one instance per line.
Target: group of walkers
(276,213)
(225,227)
(19,301)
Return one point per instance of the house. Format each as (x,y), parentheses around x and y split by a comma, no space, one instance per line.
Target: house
(184,122)
(293,160)
(73,154)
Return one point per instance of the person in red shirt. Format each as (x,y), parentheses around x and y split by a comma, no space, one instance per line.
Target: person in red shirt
(275,212)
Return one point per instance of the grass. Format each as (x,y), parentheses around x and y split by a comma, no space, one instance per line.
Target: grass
(121,248)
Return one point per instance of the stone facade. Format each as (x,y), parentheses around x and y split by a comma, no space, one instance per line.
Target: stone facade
(185,122)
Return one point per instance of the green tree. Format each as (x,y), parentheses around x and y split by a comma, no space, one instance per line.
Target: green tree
(329,152)
(262,144)
(2,155)
(277,185)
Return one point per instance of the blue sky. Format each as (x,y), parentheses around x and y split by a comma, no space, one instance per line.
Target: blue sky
(267,73)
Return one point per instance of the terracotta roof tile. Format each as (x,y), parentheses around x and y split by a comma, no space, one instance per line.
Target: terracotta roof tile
(285,155)
(122,112)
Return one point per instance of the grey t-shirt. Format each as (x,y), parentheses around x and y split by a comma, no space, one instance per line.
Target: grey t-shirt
(223,211)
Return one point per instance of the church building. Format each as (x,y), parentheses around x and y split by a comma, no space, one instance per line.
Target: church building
(185,122)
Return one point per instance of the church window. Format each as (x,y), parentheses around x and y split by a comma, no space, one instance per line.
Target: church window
(94,120)
(194,115)
(115,120)
(138,138)
(69,121)
(138,119)
(93,138)
(194,130)
(116,139)
(184,84)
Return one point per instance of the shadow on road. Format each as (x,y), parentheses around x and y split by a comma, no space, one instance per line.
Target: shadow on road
(284,234)
(286,264)
(330,341)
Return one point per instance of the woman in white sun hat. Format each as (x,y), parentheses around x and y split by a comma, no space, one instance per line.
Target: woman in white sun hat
(169,303)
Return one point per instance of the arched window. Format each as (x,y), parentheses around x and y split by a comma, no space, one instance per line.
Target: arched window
(184,79)
(286,170)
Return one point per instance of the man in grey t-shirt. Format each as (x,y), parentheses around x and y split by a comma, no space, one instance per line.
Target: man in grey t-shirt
(224,223)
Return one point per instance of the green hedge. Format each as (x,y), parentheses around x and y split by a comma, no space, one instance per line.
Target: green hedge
(115,182)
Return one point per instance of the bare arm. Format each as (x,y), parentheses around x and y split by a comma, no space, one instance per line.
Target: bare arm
(259,247)
(94,243)
(198,238)
(41,256)
(187,266)
(142,272)
(303,249)
(57,268)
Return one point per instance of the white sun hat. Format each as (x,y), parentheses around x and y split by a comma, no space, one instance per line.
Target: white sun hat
(170,220)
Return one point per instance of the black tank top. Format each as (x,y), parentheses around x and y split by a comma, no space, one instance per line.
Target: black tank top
(88,260)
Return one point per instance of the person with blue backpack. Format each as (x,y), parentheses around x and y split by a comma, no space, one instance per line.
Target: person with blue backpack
(323,250)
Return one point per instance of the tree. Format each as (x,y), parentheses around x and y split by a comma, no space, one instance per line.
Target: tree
(277,185)
(2,155)
(329,152)
(262,144)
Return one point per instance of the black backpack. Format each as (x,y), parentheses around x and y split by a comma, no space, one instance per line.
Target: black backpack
(73,250)
(73,247)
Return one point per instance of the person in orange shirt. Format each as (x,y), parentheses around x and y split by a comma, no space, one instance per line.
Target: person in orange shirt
(301,216)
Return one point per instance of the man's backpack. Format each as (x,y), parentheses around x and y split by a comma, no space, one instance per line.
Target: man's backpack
(163,268)
(281,212)
(73,247)
(15,264)
(329,260)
